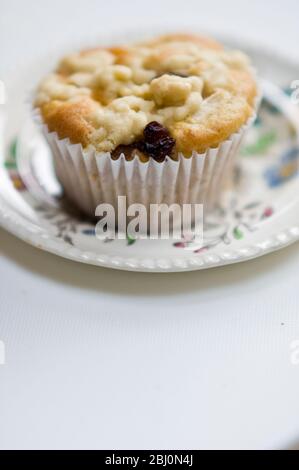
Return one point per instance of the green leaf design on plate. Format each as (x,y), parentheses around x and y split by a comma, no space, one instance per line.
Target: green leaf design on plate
(11,163)
(238,234)
(130,240)
(261,145)
(13,149)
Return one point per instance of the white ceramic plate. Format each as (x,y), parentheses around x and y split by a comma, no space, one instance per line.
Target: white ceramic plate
(259,217)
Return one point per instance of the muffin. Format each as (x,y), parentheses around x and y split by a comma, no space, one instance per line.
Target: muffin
(158,122)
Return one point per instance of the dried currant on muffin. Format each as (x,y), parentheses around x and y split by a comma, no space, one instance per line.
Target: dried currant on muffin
(157,142)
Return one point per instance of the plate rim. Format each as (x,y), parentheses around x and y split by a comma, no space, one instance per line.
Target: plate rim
(33,235)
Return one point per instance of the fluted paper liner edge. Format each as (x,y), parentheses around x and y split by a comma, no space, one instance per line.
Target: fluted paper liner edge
(90,178)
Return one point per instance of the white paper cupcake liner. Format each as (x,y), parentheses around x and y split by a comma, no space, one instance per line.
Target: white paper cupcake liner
(90,178)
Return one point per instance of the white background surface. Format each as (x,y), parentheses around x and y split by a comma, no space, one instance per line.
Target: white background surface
(105,359)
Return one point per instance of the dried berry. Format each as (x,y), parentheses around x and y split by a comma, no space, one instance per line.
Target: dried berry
(157,143)
(154,132)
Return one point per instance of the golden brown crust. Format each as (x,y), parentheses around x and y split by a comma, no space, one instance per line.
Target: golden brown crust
(69,120)
(104,97)
(212,132)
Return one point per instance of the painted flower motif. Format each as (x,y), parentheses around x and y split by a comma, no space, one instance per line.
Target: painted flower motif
(17,181)
(238,234)
(201,250)
(262,144)
(286,169)
(130,240)
(11,166)
(218,230)
(90,232)
(268,212)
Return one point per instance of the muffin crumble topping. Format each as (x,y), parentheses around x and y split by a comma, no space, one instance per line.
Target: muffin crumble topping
(197,92)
